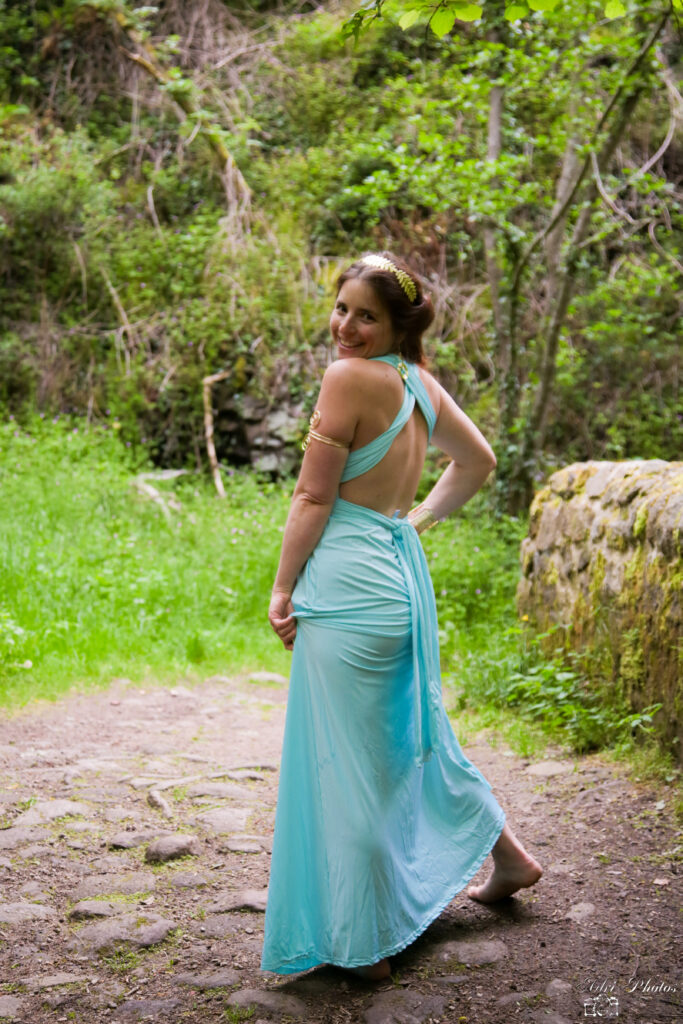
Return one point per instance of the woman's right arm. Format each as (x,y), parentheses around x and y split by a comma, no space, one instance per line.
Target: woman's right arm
(316,490)
(472,458)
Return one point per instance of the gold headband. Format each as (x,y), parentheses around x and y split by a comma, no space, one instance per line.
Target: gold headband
(382,263)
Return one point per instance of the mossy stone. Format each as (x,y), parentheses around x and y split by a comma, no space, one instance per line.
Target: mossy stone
(603,557)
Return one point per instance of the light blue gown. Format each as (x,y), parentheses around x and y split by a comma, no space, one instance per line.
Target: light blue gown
(381,819)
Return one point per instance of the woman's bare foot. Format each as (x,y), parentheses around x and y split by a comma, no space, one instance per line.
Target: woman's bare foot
(513,869)
(373,972)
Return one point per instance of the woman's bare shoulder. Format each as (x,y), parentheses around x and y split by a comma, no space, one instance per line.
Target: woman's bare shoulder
(434,389)
(348,375)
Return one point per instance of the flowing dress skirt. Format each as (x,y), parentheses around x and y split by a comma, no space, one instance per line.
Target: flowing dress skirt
(371,841)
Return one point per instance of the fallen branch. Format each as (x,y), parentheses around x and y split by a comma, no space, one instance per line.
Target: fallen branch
(141,485)
(207,384)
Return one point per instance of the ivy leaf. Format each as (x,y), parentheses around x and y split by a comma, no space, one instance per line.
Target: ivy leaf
(516,11)
(442,22)
(543,5)
(614,9)
(468,12)
(409,18)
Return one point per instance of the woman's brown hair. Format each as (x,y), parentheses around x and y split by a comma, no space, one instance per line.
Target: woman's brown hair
(409,319)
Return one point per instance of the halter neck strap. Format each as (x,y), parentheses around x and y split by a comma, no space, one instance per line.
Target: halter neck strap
(363,459)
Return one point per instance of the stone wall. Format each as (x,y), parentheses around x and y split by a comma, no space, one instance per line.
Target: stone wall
(604,556)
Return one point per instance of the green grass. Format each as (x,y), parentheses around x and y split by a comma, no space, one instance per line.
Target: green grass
(98,583)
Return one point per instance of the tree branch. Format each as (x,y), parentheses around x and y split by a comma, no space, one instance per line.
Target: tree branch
(638,59)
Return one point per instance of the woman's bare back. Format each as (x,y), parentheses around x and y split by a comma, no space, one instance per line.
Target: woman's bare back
(393,482)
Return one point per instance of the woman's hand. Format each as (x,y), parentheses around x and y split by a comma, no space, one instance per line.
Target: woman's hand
(281,617)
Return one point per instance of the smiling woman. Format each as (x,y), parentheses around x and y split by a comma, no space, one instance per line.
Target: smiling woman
(393,299)
(360,325)
(381,819)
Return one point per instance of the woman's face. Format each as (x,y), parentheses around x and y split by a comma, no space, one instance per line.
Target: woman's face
(360,323)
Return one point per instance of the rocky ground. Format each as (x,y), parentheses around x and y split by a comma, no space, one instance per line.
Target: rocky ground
(135,829)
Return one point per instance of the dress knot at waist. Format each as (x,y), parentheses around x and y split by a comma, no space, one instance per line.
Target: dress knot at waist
(426,667)
(351,512)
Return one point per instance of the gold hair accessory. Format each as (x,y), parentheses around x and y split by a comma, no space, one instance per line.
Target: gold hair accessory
(313,435)
(422,518)
(382,263)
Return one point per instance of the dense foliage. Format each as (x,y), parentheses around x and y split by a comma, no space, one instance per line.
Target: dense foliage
(179,186)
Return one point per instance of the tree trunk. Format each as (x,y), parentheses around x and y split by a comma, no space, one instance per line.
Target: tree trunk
(517,488)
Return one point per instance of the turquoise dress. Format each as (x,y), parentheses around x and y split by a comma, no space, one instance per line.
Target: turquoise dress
(381,819)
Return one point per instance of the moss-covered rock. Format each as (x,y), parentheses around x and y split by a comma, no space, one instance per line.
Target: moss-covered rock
(604,556)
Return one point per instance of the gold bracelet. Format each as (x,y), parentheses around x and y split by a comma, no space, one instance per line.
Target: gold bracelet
(313,435)
(422,518)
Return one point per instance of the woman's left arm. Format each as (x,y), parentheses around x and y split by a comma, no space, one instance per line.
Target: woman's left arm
(315,491)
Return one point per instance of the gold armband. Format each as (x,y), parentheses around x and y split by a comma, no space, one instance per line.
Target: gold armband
(313,435)
(422,518)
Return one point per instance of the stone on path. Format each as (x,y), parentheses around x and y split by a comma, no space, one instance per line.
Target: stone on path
(218,979)
(159,803)
(146,1009)
(21,913)
(239,899)
(270,1002)
(119,813)
(10,1007)
(546,769)
(472,951)
(238,845)
(131,840)
(580,912)
(35,852)
(10,838)
(87,910)
(80,826)
(225,820)
(123,885)
(557,988)
(403,1006)
(48,810)
(37,983)
(5,864)
(189,880)
(170,847)
(139,930)
(220,789)
(35,892)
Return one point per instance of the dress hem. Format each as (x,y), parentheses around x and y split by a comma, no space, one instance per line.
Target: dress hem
(399,946)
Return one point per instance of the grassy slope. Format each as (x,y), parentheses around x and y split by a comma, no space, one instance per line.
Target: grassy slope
(97,583)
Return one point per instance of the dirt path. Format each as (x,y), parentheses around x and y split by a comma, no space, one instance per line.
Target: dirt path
(93,930)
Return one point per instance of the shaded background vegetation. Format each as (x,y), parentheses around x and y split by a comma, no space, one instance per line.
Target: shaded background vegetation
(179,186)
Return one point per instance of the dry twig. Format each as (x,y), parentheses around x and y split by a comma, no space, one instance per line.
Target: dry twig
(207,384)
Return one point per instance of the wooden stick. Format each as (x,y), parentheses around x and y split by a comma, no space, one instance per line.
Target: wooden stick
(207,384)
